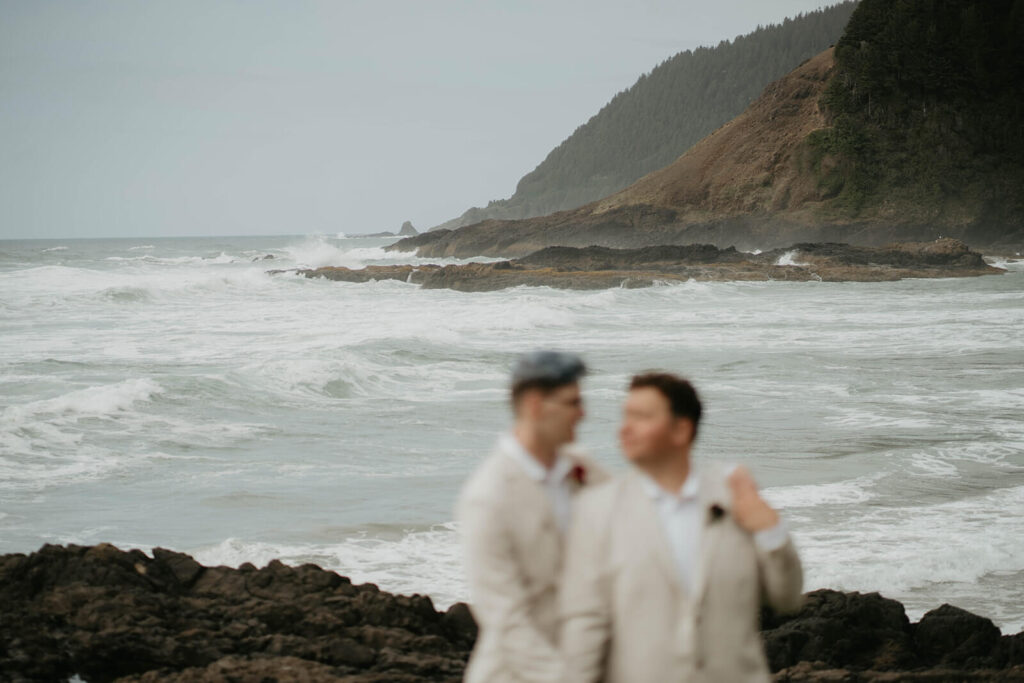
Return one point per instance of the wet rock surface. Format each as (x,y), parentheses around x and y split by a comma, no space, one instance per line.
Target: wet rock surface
(103,614)
(604,267)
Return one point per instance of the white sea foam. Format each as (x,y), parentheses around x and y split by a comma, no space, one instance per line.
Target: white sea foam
(59,248)
(862,419)
(95,401)
(1009,264)
(94,432)
(317,252)
(789,259)
(896,552)
(75,289)
(221,258)
(931,465)
(835,493)
(43,441)
(426,562)
(360,376)
(900,550)
(372,401)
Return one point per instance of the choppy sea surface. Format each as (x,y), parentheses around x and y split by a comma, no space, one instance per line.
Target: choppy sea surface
(171,392)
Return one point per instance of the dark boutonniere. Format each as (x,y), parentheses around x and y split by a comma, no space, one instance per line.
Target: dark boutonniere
(715,513)
(578,474)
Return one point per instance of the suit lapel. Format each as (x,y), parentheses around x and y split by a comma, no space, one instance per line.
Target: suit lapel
(648,528)
(708,497)
(533,509)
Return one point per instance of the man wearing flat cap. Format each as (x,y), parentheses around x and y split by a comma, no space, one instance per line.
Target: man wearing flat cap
(513,514)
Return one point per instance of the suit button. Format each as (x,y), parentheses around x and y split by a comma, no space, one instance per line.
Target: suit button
(700,663)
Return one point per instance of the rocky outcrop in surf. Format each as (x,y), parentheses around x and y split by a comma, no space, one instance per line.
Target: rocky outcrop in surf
(603,267)
(106,615)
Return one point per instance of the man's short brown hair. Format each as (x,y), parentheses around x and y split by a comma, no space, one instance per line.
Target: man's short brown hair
(682,397)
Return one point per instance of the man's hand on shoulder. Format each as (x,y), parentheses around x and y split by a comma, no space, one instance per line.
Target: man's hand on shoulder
(749,509)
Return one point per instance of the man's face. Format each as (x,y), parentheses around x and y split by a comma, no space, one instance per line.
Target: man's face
(558,412)
(649,430)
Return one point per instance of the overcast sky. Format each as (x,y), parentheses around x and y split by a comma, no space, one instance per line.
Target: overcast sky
(235,118)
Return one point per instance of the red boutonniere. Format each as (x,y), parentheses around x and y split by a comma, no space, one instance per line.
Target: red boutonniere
(715,513)
(578,474)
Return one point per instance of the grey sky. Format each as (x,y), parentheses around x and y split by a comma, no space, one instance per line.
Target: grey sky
(226,118)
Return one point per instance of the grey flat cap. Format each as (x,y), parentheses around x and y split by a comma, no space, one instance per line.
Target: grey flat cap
(548,367)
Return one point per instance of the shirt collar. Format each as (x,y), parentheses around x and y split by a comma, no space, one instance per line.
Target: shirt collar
(688,492)
(536,471)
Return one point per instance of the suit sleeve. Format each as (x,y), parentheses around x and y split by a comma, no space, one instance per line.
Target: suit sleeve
(781,574)
(584,600)
(498,591)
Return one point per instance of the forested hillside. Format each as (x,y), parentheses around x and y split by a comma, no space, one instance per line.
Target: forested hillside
(663,114)
(910,129)
(927,109)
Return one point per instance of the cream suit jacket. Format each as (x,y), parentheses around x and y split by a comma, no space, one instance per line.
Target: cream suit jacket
(513,553)
(627,617)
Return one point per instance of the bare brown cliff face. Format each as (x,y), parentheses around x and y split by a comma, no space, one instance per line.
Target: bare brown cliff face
(757,182)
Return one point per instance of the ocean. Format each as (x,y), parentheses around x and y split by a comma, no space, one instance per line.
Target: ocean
(171,392)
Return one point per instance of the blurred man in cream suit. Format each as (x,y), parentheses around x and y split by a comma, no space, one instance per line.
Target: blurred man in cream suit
(513,514)
(671,563)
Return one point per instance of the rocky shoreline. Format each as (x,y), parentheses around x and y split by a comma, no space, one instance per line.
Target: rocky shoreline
(104,615)
(604,267)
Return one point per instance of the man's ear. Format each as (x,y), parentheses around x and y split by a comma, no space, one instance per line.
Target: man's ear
(682,432)
(529,404)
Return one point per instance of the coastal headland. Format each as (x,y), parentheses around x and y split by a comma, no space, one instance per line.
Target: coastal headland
(603,267)
(843,148)
(103,615)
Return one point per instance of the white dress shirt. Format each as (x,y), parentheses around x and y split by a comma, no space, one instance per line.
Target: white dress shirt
(683,523)
(555,481)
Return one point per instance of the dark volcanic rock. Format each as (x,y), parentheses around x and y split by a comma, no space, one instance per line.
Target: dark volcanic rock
(415,242)
(108,615)
(841,630)
(605,258)
(813,672)
(105,615)
(944,253)
(952,636)
(603,267)
(854,637)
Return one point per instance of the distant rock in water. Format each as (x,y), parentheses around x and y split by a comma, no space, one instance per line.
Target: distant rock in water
(103,615)
(603,267)
(406,231)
